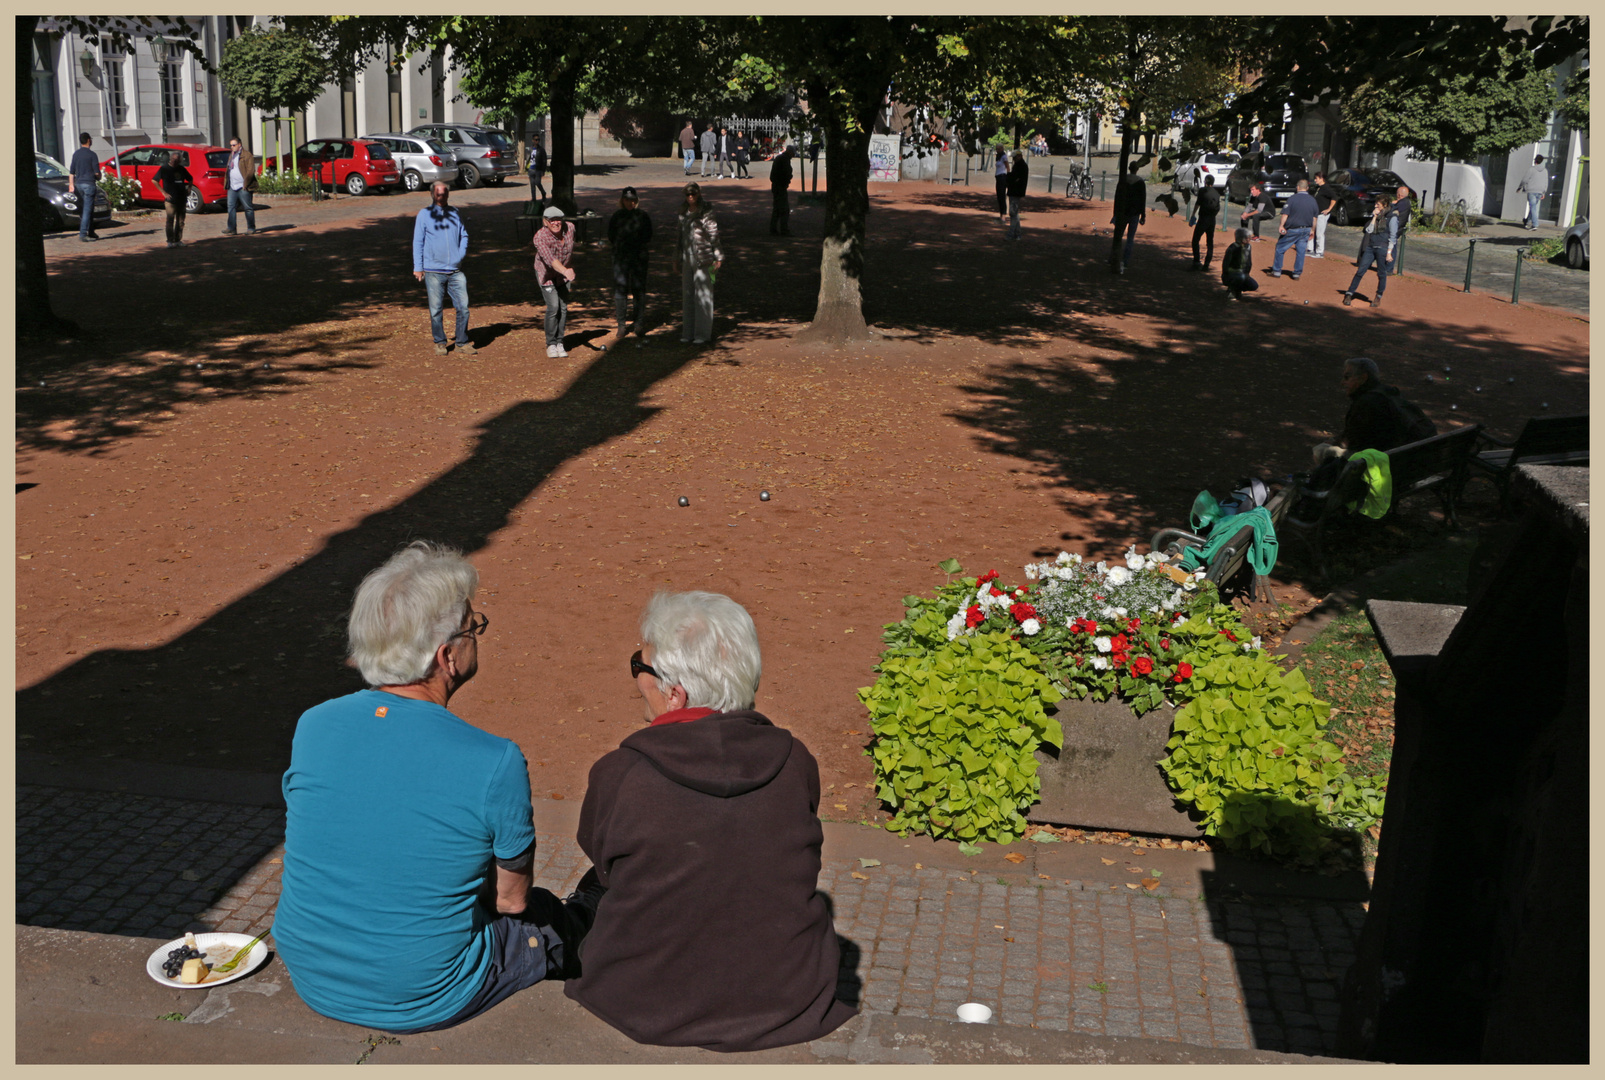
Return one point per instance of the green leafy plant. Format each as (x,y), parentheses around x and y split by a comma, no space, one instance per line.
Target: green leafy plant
(955,735)
(121,191)
(285,184)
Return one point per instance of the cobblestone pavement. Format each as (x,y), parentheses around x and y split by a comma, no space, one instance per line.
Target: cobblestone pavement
(1084,956)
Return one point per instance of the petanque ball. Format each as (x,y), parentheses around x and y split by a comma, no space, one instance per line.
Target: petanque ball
(1479,389)
(684,501)
(1446,369)
(1510,380)
(763,496)
(1545,405)
(1452,408)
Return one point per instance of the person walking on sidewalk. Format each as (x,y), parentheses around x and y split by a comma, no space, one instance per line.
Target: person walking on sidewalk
(1131,210)
(704,828)
(727,161)
(710,147)
(554,247)
(1019,176)
(537,169)
(439,246)
(1293,230)
(743,147)
(1535,184)
(1235,266)
(175,181)
(1376,249)
(688,146)
(240,175)
(697,259)
(83,179)
(780,174)
(409,843)
(629,232)
(1208,210)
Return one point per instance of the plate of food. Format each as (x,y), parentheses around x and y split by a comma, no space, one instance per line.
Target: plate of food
(195,959)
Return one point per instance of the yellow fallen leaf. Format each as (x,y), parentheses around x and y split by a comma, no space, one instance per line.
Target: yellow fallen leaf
(1045,877)
(1133,869)
(1150,883)
(840,805)
(860,877)
(1108,862)
(1132,885)
(919,866)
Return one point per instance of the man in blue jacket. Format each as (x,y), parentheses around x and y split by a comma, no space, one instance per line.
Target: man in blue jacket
(439,245)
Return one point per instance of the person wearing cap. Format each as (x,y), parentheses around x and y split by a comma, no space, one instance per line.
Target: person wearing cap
(697,259)
(629,231)
(554,246)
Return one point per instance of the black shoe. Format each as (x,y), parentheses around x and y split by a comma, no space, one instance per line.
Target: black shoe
(1348,298)
(90,239)
(230,232)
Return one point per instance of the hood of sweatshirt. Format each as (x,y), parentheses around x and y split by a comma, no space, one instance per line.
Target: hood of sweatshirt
(724,755)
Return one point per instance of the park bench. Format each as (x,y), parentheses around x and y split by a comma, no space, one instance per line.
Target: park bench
(1440,464)
(1232,559)
(1544,440)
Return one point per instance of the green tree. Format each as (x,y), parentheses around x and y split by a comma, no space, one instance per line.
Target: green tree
(273,70)
(1459,116)
(1574,103)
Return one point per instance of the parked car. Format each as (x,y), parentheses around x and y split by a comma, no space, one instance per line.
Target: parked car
(1361,191)
(1217,163)
(207,164)
(1280,177)
(354,164)
(482,153)
(422,161)
(59,207)
(1577,245)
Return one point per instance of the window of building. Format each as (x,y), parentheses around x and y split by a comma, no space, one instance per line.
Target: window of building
(172,76)
(112,62)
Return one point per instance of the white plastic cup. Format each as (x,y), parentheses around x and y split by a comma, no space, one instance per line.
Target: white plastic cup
(973,1012)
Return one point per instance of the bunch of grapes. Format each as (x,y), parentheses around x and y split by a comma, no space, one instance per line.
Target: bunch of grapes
(175,960)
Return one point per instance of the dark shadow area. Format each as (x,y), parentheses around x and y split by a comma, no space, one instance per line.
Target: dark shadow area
(849,980)
(24,487)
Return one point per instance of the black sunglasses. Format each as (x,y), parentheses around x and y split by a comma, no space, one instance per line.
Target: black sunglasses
(477,622)
(637,668)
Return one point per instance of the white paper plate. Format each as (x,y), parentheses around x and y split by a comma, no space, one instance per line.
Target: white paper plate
(206,943)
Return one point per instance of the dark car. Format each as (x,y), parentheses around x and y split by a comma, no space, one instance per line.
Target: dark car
(1360,193)
(354,164)
(1280,177)
(58,206)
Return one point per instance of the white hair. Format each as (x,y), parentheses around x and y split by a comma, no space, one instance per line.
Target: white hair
(406,610)
(706,643)
(1365,364)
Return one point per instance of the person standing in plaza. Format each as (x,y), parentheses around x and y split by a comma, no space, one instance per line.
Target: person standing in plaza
(629,232)
(1019,176)
(439,245)
(1326,197)
(1376,249)
(554,247)
(1131,210)
(688,146)
(175,181)
(1534,185)
(83,179)
(710,147)
(1000,177)
(1293,230)
(1204,224)
(697,259)
(727,160)
(779,186)
(743,154)
(1403,207)
(241,178)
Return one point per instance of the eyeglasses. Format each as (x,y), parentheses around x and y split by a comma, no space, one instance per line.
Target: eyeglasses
(637,668)
(477,622)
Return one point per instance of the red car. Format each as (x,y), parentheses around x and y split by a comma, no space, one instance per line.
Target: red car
(354,164)
(207,164)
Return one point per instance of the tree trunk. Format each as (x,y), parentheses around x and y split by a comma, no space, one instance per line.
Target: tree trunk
(34,314)
(561,157)
(1437,189)
(839,315)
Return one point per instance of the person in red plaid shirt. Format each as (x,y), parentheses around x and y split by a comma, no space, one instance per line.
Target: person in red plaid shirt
(554,246)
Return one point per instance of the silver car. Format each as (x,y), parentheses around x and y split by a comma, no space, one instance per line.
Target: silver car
(1577,245)
(421,160)
(482,153)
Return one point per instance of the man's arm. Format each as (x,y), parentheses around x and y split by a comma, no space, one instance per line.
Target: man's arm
(462,240)
(512,887)
(418,248)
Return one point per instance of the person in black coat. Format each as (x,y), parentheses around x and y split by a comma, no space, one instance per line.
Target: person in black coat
(779,185)
(629,232)
(1131,210)
(1204,227)
(537,170)
(743,154)
(704,829)
(1019,175)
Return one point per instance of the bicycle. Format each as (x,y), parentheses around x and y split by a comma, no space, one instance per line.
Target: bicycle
(1456,209)
(1079,183)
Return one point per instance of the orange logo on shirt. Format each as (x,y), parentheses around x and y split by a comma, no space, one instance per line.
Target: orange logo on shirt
(381,710)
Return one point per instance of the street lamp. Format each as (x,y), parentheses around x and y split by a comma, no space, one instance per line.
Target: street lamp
(87,60)
(160,50)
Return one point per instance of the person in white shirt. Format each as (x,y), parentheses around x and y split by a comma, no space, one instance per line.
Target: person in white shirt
(241,182)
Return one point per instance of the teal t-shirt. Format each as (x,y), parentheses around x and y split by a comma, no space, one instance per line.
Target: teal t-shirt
(395,810)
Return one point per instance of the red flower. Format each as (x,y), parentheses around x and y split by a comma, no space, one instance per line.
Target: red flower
(1179,618)
(1133,625)
(1084,626)
(1164,643)
(1119,643)
(1229,636)
(1184,671)
(974,617)
(1119,658)
(996,591)
(1022,612)
(990,575)
(1095,596)
(1142,666)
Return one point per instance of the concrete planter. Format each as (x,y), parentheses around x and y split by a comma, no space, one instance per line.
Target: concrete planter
(1106,777)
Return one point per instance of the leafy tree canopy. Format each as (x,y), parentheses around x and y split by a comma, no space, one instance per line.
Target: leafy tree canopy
(273,70)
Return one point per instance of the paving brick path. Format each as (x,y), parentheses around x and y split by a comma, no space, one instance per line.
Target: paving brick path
(1084,956)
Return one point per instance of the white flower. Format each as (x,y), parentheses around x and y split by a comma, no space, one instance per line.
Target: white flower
(1102,644)
(1099,662)
(1190,585)
(1108,613)
(1118,575)
(1255,642)
(1200,573)
(1019,592)
(1133,560)
(955,625)
(1120,612)
(1100,567)
(1030,627)
(1030,572)
(1066,557)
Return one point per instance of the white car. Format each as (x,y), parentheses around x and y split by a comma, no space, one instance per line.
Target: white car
(1217,163)
(1577,245)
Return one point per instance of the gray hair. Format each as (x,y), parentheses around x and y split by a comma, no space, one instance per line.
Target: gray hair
(406,610)
(706,643)
(1363,363)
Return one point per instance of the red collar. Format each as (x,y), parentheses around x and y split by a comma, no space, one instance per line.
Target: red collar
(682,716)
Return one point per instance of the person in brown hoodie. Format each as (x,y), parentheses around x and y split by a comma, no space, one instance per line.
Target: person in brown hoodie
(704,828)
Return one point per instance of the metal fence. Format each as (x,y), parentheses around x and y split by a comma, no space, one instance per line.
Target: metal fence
(775,127)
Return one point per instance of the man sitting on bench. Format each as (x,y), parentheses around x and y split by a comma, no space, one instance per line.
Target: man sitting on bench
(1378,419)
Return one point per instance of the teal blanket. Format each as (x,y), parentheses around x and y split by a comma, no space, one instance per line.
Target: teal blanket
(1261,553)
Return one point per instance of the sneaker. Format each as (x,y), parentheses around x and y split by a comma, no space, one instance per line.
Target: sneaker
(230,232)
(1276,273)
(467,348)
(1348,299)
(561,352)
(1233,296)
(1297,276)
(1376,301)
(92,239)
(440,348)
(551,350)
(1317,255)
(250,232)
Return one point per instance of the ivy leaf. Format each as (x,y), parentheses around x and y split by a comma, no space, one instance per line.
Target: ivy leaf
(969,849)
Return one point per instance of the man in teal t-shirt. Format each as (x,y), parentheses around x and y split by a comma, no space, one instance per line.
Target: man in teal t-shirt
(409,839)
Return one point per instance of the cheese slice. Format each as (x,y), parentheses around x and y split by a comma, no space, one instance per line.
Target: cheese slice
(195,971)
